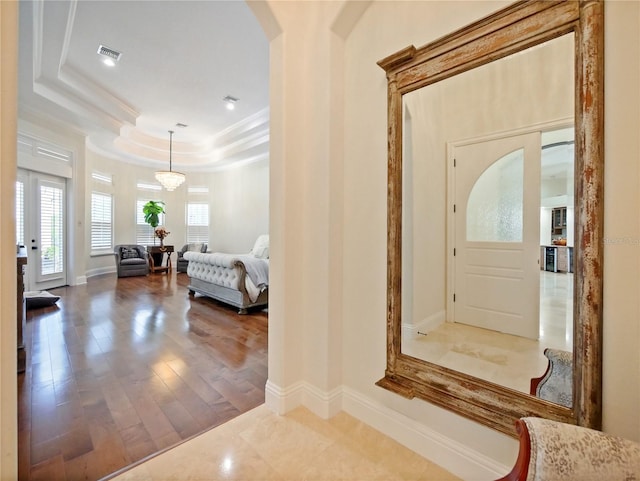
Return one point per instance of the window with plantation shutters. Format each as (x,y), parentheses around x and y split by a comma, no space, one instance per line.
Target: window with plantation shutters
(19,213)
(144,232)
(101,221)
(197,222)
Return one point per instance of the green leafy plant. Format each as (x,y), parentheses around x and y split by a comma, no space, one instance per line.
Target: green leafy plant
(152,211)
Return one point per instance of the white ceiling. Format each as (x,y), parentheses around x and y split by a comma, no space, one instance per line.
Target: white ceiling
(179,59)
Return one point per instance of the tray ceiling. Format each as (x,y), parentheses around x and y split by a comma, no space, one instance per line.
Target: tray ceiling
(179,60)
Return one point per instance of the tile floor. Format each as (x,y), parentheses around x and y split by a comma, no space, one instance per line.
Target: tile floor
(503,358)
(260,445)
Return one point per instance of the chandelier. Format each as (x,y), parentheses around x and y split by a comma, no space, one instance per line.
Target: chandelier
(168,178)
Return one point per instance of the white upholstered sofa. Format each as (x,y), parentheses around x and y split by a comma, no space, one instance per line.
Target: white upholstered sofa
(241,280)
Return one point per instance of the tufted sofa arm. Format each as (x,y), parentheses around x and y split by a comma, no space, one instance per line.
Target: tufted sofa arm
(214,259)
(555,451)
(221,269)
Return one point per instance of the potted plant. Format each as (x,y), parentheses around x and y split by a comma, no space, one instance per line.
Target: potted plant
(152,211)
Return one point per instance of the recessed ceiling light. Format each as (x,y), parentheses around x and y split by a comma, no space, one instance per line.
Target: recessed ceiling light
(230,101)
(110,55)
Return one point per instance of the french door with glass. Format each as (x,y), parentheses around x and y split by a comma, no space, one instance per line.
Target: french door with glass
(41,215)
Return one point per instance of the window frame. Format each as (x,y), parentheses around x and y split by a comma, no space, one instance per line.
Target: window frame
(197,232)
(104,247)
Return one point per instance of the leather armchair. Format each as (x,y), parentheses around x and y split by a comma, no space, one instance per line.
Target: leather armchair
(131,260)
(181,263)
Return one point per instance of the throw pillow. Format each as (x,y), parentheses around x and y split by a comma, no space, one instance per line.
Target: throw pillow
(261,247)
(35,299)
(196,247)
(129,253)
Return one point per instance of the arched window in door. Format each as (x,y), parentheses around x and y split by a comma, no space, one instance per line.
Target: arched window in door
(494,206)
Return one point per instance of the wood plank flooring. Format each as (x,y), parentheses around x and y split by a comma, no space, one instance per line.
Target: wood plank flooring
(123,368)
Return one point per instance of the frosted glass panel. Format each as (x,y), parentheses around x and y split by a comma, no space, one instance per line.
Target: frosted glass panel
(494,208)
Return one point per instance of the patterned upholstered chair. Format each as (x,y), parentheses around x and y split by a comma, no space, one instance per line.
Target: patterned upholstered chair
(556,384)
(555,451)
(182,264)
(131,260)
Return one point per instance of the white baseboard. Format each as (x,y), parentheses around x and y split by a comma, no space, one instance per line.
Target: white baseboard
(428,324)
(99,271)
(447,453)
(281,401)
(320,403)
(80,280)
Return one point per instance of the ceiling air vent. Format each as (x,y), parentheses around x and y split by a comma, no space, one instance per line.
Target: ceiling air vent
(114,55)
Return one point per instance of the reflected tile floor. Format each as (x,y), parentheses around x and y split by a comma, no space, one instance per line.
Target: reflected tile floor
(260,445)
(504,359)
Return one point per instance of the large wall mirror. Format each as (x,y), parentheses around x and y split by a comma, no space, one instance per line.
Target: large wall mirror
(495,216)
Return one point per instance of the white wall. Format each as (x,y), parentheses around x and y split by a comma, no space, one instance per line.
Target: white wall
(239,207)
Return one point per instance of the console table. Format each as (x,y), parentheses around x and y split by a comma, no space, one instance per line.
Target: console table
(156,255)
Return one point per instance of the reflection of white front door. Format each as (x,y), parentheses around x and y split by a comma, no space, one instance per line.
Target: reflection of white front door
(497,205)
(44,229)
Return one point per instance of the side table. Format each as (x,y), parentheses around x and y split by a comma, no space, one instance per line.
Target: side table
(156,255)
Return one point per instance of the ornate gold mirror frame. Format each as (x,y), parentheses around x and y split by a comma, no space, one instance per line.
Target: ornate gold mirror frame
(520,26)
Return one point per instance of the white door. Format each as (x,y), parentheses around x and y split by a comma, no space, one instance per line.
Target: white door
(44,223)
(497,205)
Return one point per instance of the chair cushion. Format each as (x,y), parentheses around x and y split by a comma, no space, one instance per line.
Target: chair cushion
(129,253)
(135,261)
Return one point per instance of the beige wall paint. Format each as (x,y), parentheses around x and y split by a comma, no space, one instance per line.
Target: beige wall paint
(621,370)
(8,129)
(306,203)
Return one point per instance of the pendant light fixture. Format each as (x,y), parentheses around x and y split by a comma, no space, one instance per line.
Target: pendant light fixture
(168,178)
